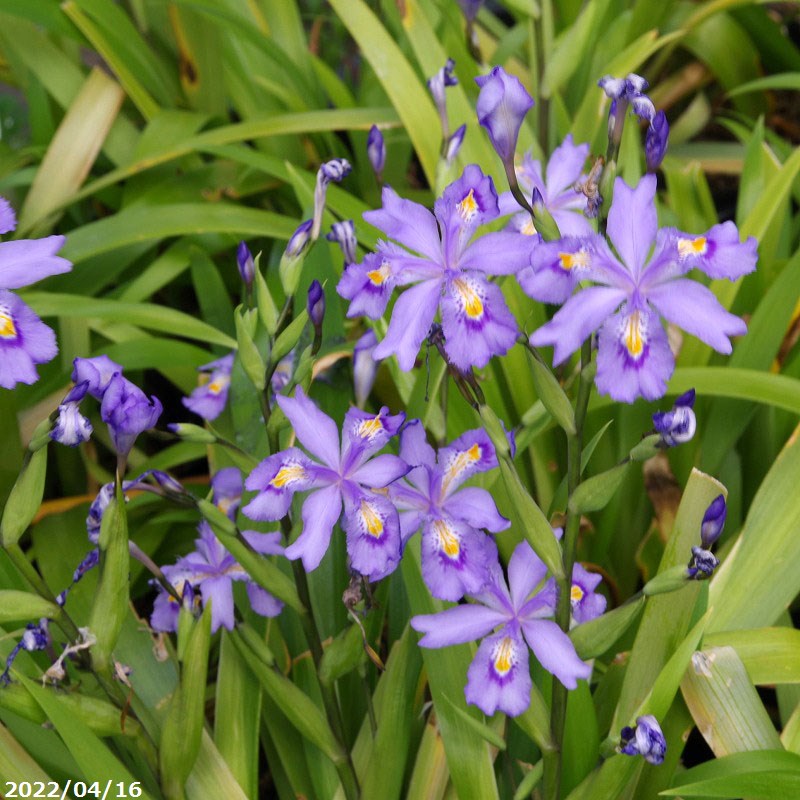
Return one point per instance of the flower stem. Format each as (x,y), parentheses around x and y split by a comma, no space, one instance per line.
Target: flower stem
(558,713)
(347,774)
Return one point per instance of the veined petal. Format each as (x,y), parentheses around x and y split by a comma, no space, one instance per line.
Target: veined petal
(368,286)
(456,625)
(26,261)
(632,221)
(567,211)
(633,356)
(320,512)
(363,434)
(565,167)
(582,314)
(408,222)
(454,558)
(471,453)
(276,479)
(500,253)
(373,534)
(499,678)
(476,322)
(525,572)
(555,652)
(718,253)
(316,431)
(411,320)
(262,602)
(476,507)
(693,307)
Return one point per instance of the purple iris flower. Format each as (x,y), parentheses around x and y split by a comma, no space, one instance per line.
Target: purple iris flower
(450,273)
(97,372)
(127,411)
(586,603)
(72,427)
(502,105)
(677,426)
(210,572)
(208,400)
(564,170)
(25,340)
(634,358)
(498,677)
(455,552)
(365,367)
(345,473)
(645,739)
(376,151)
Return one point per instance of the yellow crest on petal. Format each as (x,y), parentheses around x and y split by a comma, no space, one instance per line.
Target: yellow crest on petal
(503,656)
(468,207)
(469,298)
(287,474)
(373,522)
(447,539)
(692,247)
(8,330)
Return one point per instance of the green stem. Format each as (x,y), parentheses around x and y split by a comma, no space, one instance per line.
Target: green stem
(346,771)
(558,713)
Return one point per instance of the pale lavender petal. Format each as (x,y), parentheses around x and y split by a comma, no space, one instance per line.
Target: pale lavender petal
(414,447)
(262,602)
(380,471)
(368,286)
(410,523)
(268,544)
(632,221)
(476,322)
(578,318)
(525,572)
(500,253)
(316,431)
(565,167)
(693,307)
(471,453)
(555,652)
(24,342)
(411,320)
(363,434)
(570,218)
(476,507)
(97,371)
(408,222)
(8,219)
(26,261)
(633,356)
(718,253)
(320,512)
(456,625)
(219,592)
(499,677)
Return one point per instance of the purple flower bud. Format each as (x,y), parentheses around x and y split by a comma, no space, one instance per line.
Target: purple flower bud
(678,425)
(127,411)
(227,487)
(300,239)
(96,511)
(454,144)
(502,105)
(646,739)
(247,267)
(636,84)
(702,564)
(72,427)
(334,170)
(344,233)
(713,522)
(656,141)
(98,371)
(613,87)
(376,150)
(643,107)
(437,84)
(316,304)
(365,367)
